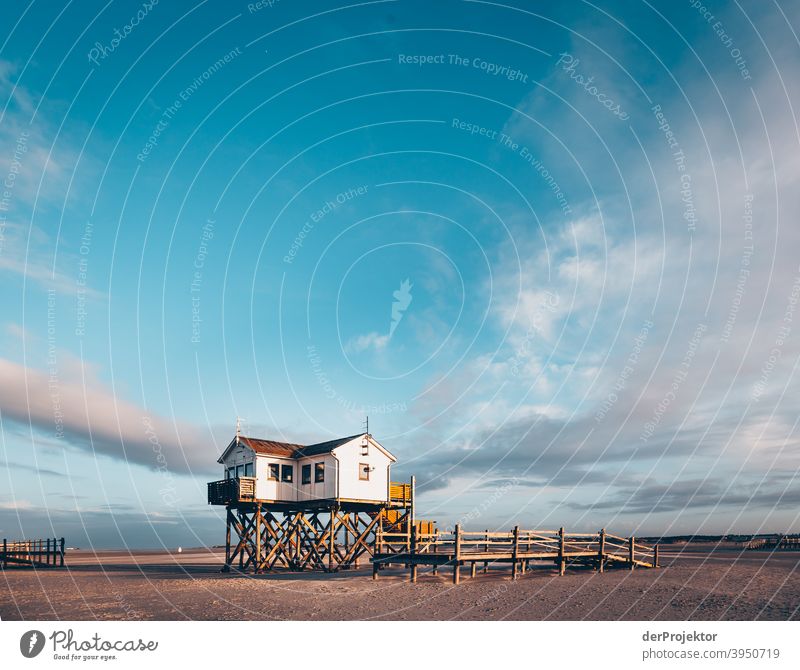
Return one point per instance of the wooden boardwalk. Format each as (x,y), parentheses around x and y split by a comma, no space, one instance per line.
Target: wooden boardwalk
(519,548)
(47,553)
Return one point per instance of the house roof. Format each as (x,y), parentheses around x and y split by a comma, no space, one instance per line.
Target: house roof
(291,450)
(325,447)
(270,447)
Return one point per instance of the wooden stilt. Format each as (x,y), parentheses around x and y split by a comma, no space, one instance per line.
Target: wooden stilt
(258,539)
(332,538)
(227,565)
(457,555)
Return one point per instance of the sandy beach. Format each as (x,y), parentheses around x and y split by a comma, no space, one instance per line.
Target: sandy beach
(696,582)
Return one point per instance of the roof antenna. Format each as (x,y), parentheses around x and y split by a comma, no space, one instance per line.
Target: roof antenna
(366,425)
(238,428)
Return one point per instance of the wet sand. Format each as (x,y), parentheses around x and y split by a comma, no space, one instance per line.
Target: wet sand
(696,582)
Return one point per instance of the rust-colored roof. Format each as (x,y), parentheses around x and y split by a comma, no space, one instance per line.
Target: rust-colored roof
(272,448)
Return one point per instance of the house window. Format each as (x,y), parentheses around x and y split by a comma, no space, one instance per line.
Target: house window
(239,470)
(248,469)
(230,473)
(365,449)
(274,472)
(363,472)
(287,473)
(307,474)
(319,472)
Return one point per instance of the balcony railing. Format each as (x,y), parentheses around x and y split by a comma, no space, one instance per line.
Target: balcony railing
(400,493)
(227,491)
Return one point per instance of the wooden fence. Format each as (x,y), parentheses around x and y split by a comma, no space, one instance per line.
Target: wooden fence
(47,553)
(517,547)
(776,543)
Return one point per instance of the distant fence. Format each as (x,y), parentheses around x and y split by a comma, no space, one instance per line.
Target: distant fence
(777,543)
(47,553)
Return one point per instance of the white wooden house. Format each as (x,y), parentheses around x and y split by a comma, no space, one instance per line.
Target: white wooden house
(348,469)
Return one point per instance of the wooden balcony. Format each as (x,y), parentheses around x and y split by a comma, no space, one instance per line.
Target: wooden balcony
(228,491)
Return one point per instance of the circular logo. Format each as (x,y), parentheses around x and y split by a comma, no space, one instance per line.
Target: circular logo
(31,643)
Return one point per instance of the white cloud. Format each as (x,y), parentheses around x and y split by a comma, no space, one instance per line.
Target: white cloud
(373,340)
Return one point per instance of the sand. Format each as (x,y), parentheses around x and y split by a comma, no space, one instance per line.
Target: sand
(697,582)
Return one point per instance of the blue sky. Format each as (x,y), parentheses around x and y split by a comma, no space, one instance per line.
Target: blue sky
(550,250)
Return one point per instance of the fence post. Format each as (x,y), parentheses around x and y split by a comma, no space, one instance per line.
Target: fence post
(457,556)
(601,553)
(5,552)
(631,551)
(655,556)
(486,563)
(561,551)
(514,552)
(62,552)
